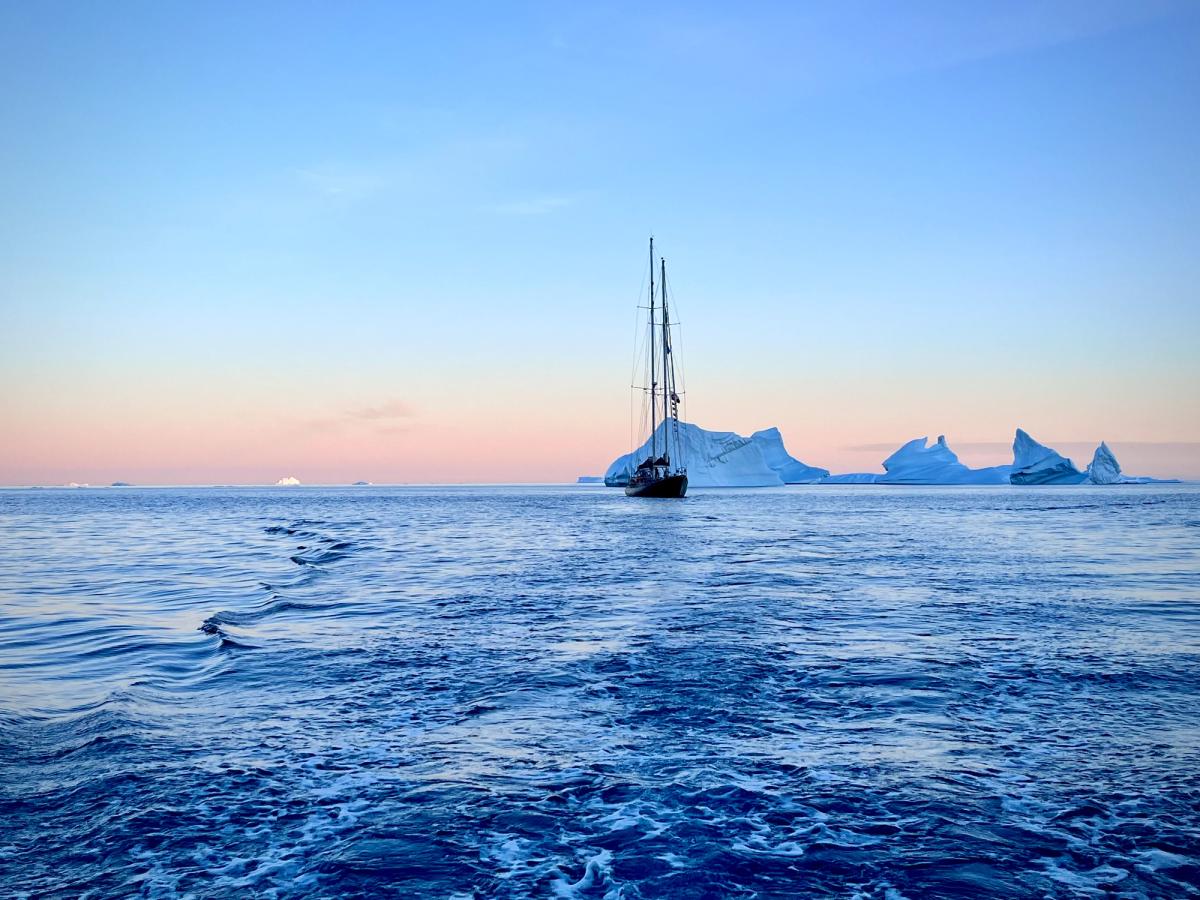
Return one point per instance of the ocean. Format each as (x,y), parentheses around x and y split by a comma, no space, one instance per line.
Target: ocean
(470,692)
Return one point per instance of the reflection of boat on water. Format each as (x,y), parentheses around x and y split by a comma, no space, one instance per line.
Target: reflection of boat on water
(657,475)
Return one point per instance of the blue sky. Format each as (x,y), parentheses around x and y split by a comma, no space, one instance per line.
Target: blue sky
(225,226)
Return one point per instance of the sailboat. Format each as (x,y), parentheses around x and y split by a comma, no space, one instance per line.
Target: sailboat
(658,475)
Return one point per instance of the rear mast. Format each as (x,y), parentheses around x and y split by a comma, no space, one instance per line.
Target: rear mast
(666,378)
(669,392)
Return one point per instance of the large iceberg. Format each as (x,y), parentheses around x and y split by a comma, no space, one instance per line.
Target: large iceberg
(917,463)
(1034,463)
(723,459)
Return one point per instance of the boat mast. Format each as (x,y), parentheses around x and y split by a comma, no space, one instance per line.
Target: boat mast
(665,351)
(669,387)
(653,381)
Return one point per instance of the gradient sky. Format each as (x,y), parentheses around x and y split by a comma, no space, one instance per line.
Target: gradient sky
(374,241)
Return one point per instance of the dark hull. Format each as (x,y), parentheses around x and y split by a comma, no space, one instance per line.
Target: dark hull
(671,486)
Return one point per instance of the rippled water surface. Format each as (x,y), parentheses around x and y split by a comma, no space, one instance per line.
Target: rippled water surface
(510,692)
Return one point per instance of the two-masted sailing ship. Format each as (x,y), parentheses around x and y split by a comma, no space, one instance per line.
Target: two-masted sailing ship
(661,474)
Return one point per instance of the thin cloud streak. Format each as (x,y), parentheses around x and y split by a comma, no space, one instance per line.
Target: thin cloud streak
(392,409)
(385,415)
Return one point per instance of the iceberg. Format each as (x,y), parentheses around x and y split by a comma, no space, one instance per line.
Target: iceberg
(918,463)
(727,459)
(790,469)
(851,478)
(723,459)
(1034,463)
(1104,468)
(590,479)
(287,481)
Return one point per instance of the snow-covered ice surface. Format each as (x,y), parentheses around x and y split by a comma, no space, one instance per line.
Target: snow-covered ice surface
(722,459)
(513,692)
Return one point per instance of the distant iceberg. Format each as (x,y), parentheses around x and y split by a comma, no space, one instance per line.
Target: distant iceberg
(851,478)
(1104,468)
(1034,463)
(590,479)
(917,463)
(287,481)
(724,459)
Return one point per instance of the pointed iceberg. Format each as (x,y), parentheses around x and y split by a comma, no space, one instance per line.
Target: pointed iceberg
(1104,468)
(918,463)
(723,459)
(1034,463)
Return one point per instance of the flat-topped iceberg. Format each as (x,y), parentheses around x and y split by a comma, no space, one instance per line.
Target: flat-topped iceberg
(722,459)
(851,478)
(917,463)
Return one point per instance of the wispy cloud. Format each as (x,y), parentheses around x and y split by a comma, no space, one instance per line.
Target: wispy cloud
(387,417)
(392,409)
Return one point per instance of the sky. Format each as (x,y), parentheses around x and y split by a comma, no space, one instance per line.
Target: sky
(399,244)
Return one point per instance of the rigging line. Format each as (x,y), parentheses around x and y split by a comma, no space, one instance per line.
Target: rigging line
(638,350)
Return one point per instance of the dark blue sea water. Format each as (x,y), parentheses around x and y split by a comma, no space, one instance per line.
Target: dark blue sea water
(544,692)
